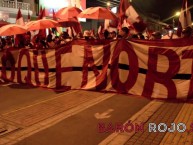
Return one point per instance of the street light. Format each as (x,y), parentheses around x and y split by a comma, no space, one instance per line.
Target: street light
(108,4)
(177,14)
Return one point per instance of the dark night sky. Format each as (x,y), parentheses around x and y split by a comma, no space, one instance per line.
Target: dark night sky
(163,8)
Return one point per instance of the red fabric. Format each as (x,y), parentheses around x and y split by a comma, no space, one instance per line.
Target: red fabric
(101,80)
(8,57)
(59,69)
(126,11)
(19,39)
(68,12)
(88,60)
(77,27)
(97,13)
(165,78)
(19,21)
(42,15)
(133,62)
(27,78)
(166,42)
(36,68)
(54,15)
(46,68)
(153,71)
(3,23)
(28,17)
(113,23)
(19,15)
(185,17)
(40,11)
(42,33)
(124,4)
(50,31)
(188,54)
(101,29)
(36,72)
(139,26)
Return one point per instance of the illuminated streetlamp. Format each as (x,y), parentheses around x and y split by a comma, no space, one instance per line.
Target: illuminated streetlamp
(177,14)
(108,4)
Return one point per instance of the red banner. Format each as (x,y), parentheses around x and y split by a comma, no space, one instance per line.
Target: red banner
(153,69)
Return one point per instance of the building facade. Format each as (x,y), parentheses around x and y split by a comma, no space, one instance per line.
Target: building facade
(9,9)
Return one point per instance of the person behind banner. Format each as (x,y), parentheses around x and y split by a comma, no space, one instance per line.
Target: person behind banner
(2,44)
(106,34)
(27,42)
(50,41)
(65,38)
(113,35)
(141,36)
(40,43)
(87,35)
(187,32)
(155,36)
(124,33)
(80,35)
(19,41)
(57,41)
(9,42)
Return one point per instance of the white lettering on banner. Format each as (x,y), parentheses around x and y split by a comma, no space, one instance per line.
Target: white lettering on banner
(61,68)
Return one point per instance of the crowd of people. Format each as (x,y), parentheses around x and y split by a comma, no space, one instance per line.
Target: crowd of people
(37,42)
(52,41)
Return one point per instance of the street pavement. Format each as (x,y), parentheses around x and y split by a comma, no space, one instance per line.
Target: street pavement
(15,96)
(37,116)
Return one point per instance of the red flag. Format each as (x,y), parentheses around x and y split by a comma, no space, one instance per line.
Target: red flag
(111,25)
(77,27)
(19,38)
(28,17)
(123,6)
(40,10)
(42,15)
(126,11)
(49,31)
(185,17)
(100,29)
(58,29)
(70,32)
(54,15)
(19,18)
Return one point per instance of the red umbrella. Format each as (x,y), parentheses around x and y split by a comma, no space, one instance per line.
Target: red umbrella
(3,23)
(97,13)
(12,29)
(68,12)
(41,24)
(68,22)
